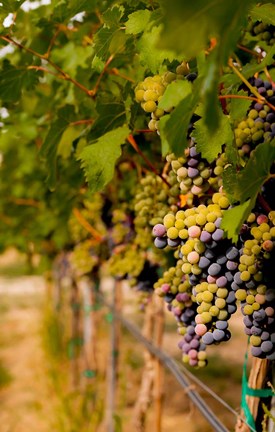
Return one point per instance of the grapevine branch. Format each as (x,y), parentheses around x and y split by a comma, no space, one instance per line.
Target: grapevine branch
(251,88)
(134,144)
(87,225)
(63,74)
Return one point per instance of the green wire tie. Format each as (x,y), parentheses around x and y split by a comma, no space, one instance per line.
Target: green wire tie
(109,317)
(89,373)
(248,391)
(91,308)
(72,344)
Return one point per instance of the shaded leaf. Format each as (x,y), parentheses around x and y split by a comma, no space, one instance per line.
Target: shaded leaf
(174,93)
(256,171)
(8,6)
(137,21)
(110,116)
(187,30)
(98,159)
(239,107)
(113,16)
(13,80)
(264,12)
(210,144)
(49,148)
(151,56)
(234,218)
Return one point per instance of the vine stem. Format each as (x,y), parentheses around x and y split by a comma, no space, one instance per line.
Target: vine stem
(251,88)
(81,122)
(254,53)
(95,89)
(232,96)
(263,203)
(87,225)
(134,144)
(115,71)
(63,74)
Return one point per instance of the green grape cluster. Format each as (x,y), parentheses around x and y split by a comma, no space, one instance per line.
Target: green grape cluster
(262,32)
(259,124)
(91,211)
(150,206)
(121,225)
(149,92)
(83,257)
(127,261)
(194,174)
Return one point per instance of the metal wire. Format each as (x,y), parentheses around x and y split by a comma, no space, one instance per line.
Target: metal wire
(174,369)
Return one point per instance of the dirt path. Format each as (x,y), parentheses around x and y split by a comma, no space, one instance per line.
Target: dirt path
(26,402)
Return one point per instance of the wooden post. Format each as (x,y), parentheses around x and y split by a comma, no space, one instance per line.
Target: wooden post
(257,380)
(144,396)
(89,331)
(112,373)
(159,371)
(75,333)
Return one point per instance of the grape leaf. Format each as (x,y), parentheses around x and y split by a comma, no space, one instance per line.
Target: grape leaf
(176,126)
(102,42)
(187,30)
(110,116)
(98,159)
(113,16)
(67,9)
(234,218)
(137,21)
(164,143)
(9,6)
(48,151)
(256,171)
(174,93)
(250,69)
(264,12)
(151,56)
(239,107)
(209,143)
(13,80)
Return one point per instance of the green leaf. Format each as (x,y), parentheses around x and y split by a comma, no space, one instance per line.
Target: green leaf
(137,21)
(174,93)
(188,26)
(250,69)
(165,149)
(256,172)
(113,16)
(150,56)
(239,107)
(209,91)
(264,12)
(49,148)
(103,40)
(176,126)
(98,159)
(9,6)
(13,80)
(66,9)
(110,116)
(234,218)
(210,144)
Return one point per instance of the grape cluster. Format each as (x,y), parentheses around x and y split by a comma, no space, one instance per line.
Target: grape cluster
(126,262)
(254,285)
(83,259)
(150,206)
(262,32)
(259,124)
(176,289)
(149,92)
(207,263)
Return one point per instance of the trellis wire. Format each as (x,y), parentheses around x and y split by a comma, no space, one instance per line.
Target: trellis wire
(174,369)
